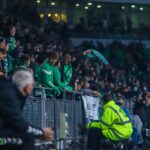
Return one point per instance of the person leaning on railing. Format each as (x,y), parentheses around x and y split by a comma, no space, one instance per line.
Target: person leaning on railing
(46,74)
(15,132)
(114,125)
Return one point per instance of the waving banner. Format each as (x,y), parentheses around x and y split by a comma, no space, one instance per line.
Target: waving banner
(98,55)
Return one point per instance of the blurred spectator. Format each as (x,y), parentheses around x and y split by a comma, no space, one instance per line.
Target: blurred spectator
(126,74)
(24,61)
(37,68)
(87,91)
(12,38)
(142,109)
(3,52)
(122,103)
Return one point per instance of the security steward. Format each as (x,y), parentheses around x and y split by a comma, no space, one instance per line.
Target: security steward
(113,125)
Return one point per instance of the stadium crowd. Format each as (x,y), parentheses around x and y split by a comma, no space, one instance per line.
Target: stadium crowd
(46,52)
(29,46)
(103,26)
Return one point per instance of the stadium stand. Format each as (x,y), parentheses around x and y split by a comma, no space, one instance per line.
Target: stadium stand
(31,46)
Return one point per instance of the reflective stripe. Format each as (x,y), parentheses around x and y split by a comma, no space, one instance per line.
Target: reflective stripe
(117,136)
(122,122)
(47,72)
(104,123)
(116,112)
(100,121)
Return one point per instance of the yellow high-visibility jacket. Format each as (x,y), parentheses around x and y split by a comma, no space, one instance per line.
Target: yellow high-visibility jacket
(114,123)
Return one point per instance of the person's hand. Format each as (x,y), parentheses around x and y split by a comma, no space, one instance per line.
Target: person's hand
(86,52)
(57,89)
(48,133)
(96,93)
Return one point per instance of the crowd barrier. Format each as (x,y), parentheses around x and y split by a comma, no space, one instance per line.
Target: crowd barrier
(64,115)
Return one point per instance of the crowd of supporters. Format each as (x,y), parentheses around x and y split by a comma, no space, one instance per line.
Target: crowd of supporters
(108,28)
(47,52)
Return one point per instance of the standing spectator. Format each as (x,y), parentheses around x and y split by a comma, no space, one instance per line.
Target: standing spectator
(66,68)
(12,38)
(7,62)
(3,52)
(47,73)
(88,91)
(58,82)
(142,109)
(24,63)
(38,66)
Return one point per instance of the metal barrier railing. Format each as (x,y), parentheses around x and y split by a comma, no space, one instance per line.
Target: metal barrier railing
(43,112)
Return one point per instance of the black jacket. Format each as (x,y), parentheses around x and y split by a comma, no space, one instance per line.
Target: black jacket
(143,111)
(11,105)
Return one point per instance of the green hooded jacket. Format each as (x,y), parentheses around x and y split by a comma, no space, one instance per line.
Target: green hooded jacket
(12,44)
(47,76)
(37,71)
(67,73)
(59,83)
(8,64)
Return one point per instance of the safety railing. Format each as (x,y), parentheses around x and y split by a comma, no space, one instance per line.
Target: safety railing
(64,114)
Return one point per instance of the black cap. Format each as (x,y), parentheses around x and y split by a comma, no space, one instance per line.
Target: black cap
(107,97)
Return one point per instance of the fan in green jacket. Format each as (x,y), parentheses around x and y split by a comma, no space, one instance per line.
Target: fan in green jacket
(96,54)
(8,67)
(3,54)
(47,73)
(58,82)
(7,62)
(66,68)
(24,63)
(12,38)
(38,67)
(114,124)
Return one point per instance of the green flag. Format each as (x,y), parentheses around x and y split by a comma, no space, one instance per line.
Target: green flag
(97,54)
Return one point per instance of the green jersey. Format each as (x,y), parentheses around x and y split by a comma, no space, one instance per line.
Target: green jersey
(47,76)
(37,76)
(8,67)
(12,44)
(58,82)
(67,73)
